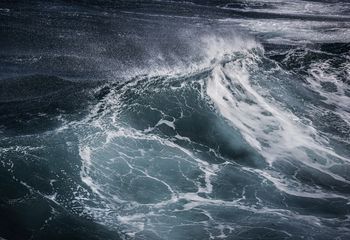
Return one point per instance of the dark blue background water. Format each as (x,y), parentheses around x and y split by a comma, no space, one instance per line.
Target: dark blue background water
(174,119)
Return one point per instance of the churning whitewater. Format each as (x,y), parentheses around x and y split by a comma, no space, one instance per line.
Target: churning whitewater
(175,120)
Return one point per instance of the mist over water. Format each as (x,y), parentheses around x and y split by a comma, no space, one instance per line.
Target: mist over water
(175,120)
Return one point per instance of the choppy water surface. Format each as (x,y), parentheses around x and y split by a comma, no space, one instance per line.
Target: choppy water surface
(175,120)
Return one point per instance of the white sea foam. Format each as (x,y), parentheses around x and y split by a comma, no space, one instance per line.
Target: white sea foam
(322,73)
(267,126)
(295,7)
(295,32)
(85,154)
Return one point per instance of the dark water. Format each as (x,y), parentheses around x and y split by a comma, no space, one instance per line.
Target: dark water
(175,119)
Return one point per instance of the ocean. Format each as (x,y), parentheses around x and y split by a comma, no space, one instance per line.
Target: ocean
(175,120)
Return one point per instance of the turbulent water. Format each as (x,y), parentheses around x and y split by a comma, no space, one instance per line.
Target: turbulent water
(175,119)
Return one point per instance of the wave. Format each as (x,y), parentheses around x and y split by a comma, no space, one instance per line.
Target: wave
(161,148)
(169,120)
(185,152)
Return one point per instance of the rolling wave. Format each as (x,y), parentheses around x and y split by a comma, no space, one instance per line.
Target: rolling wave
(175,141)
(175,120)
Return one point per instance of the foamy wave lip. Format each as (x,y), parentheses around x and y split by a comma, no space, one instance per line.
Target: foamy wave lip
(217,47)
(211,46)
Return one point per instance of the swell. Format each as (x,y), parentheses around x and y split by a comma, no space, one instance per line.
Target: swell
(183,137)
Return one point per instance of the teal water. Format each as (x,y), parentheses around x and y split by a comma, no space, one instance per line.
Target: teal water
(136,130)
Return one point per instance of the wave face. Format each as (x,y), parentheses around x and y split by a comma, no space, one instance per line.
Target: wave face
(175,120)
